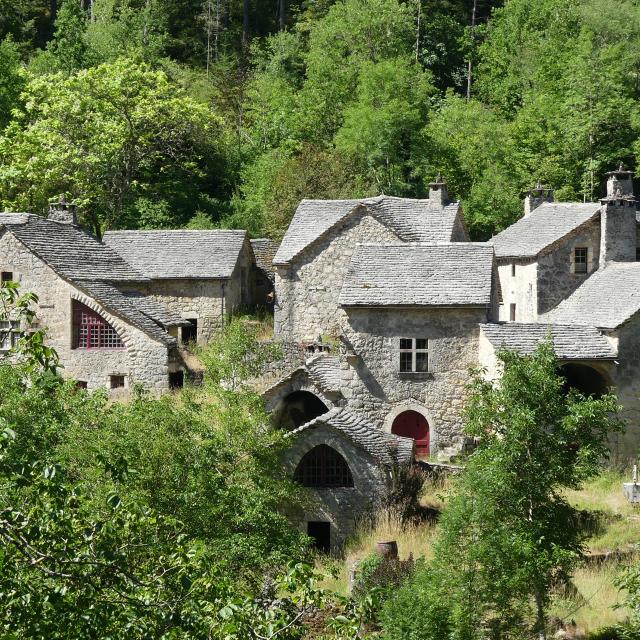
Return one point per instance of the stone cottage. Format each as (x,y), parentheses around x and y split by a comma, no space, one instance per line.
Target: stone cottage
(202,276)
(410,305)
(117,317)
(315,252)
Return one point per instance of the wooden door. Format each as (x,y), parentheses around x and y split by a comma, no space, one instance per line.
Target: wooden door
(412,424)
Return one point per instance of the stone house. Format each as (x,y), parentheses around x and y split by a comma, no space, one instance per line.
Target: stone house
(411,305)
(201,276)
(117,318)
(315,252)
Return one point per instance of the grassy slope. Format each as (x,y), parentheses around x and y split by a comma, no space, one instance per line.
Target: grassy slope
(618,525)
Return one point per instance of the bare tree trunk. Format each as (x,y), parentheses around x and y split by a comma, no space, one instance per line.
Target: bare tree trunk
(418,30)
(540,618)
(245,23)
(282,14)
(473,41)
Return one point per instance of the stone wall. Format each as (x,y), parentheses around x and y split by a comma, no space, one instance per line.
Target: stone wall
(557,279)
(344,507)
(518,282)
(143,360)
(373,385)
(625,376)
(307,292)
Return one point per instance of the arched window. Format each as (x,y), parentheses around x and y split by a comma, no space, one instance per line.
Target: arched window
(323,467)
(92,331)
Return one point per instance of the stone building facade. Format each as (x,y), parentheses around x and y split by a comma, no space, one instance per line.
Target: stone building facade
(113,323)
(410,310)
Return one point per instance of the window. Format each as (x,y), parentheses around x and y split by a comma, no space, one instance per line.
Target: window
(580,255)
(81,384)
(414,355)
(92,331)
(512,312)
(9,334)
(323,467)
(6,276)
(513,269)
(116,381)
(190,333)
(637,254)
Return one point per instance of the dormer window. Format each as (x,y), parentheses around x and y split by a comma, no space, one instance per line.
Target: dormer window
(414,355)
(92,331)
(580,259)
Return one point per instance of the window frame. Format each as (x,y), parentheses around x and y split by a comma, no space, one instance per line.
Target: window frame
(413,352)
(90,331)
(584,260)
(10,333)
(324,467)
(512,312)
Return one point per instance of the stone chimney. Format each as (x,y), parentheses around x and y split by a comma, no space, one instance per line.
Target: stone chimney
(63,211)
(536,197)
(618,219)
(438,192)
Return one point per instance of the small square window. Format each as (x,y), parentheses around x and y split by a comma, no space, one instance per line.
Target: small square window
(81,384)
(6,276)
(580,257)
(116,382)
(414,355)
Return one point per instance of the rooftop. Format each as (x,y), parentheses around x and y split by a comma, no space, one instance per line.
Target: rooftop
(181,254)
(68,250)
(412,220)
(569,342)
(607,299)
(442,275)
(385,447)
(265,250)
(545,225)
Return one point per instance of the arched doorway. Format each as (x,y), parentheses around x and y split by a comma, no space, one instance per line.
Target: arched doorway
(412,424)
(298,408)
(584,379)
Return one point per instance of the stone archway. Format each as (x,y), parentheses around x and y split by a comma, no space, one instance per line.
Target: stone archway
(298,408)
(584,378)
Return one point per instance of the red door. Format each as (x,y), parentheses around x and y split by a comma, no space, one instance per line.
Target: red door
(412,424)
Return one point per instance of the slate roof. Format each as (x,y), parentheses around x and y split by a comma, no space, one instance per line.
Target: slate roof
(68,250)
(325,372)
(607,299)
(181,254)
(132,310)
(569,342)
(412,220)
(385,447)
(453,274)
(546,224)
(265,250)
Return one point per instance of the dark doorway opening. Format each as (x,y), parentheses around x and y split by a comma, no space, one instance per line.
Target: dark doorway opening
(584,379)
(412,424)
(320,533)
(176,380)
(190,333)
(298,408)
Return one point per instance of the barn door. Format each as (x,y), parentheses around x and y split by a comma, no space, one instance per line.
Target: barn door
(412,424)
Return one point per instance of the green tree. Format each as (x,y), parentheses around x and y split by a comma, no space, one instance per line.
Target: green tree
(508,535)
(12,79)
(68,46)
(108,137)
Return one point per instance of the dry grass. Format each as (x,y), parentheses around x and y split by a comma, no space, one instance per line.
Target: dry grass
(594,609)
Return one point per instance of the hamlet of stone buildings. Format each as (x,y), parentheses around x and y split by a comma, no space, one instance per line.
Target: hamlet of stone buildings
(381,305)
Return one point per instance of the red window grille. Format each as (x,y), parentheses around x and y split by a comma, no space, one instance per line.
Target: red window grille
(92,331)
(323,467)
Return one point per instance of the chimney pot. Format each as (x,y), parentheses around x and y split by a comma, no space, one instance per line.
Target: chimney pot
(438,192)
(63,211)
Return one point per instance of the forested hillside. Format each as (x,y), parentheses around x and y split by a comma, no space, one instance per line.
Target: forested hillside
(159,113)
